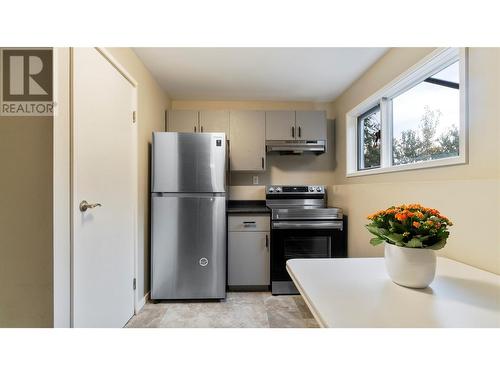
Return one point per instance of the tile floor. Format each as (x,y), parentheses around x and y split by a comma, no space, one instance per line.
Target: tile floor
(239,310)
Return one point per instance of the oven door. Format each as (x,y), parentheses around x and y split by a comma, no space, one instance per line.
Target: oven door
(302,239)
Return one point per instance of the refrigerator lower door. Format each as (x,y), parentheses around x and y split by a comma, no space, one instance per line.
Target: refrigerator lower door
(188,246)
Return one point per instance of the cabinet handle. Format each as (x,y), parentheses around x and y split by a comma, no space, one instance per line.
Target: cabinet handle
(262,162)
(202,129)
(267,242)
(300,132)
(195,129)
(293,132)
(249,222)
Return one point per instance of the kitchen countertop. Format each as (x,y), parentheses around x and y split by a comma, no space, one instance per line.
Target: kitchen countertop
(247,207)
(357,292)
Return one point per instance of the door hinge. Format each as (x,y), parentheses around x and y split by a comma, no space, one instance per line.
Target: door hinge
(134,116)
(134,283)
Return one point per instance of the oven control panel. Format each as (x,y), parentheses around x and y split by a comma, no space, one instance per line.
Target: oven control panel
(296,189)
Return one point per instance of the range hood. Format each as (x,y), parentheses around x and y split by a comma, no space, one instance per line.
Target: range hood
(296,147)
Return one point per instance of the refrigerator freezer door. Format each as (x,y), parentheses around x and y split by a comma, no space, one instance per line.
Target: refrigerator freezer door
(189,163)
(188,246)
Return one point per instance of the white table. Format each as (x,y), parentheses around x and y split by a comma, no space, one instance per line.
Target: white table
(357,292)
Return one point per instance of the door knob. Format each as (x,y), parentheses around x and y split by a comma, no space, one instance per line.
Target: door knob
(84,205)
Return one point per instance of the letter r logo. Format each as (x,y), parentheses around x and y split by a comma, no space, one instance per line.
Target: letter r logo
(27,75)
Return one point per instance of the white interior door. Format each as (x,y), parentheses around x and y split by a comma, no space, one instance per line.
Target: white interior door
(103,172)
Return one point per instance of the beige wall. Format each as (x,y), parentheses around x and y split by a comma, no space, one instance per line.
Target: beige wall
(26,183)
(152,103)
(26,222)
(281,169)
(469,194)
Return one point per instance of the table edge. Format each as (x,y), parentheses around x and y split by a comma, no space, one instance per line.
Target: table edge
(309,304)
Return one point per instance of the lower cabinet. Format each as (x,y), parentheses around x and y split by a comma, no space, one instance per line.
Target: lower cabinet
(249,251)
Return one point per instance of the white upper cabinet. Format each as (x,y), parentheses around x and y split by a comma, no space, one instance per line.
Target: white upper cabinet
(193,121)
(183,121)
(214,121)
(247,145)
(280,125)
(299,125)
(248,131)
(310,125)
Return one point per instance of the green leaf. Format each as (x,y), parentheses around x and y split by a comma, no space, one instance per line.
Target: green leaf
(422,238)
(373,229)
(376,241)
(438,245)
(414,242)
(396,227)
(443,235)
(396,238)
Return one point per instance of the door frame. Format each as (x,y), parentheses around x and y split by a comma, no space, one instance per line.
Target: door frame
(63,175)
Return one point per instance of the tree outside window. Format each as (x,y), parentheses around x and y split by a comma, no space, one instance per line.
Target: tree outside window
(370,131)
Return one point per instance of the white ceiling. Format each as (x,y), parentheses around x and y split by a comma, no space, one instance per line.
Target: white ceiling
(301,74)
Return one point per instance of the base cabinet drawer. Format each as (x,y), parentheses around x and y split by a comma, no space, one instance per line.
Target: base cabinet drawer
(248,259)
(248,223)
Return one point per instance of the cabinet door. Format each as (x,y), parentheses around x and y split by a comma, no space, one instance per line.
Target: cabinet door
(248,140)
(215,122)
(182,121)
(311,125)
(248,258)
(280,125)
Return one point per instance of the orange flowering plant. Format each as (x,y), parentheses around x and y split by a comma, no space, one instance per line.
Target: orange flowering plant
(409,225)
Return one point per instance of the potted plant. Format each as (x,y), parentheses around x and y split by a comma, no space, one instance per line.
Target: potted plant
(412,233)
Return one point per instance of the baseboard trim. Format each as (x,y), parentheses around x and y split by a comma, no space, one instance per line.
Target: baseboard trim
(142,302)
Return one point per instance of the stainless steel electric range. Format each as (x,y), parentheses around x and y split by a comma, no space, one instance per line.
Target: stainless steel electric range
(302,226)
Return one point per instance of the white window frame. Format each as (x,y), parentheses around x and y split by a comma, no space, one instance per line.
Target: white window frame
(359,140)
(428,66)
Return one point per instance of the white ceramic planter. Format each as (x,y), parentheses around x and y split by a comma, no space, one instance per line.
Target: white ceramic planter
(411,267)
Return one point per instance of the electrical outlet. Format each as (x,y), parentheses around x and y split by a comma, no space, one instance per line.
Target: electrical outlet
(255,180)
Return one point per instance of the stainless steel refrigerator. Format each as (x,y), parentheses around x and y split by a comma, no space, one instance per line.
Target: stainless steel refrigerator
(188,216)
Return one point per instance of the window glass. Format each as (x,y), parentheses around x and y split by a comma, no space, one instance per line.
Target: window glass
(426,119)
(369,129)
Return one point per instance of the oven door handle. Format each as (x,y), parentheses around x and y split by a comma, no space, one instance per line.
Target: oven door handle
(295,217)
(307,225)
